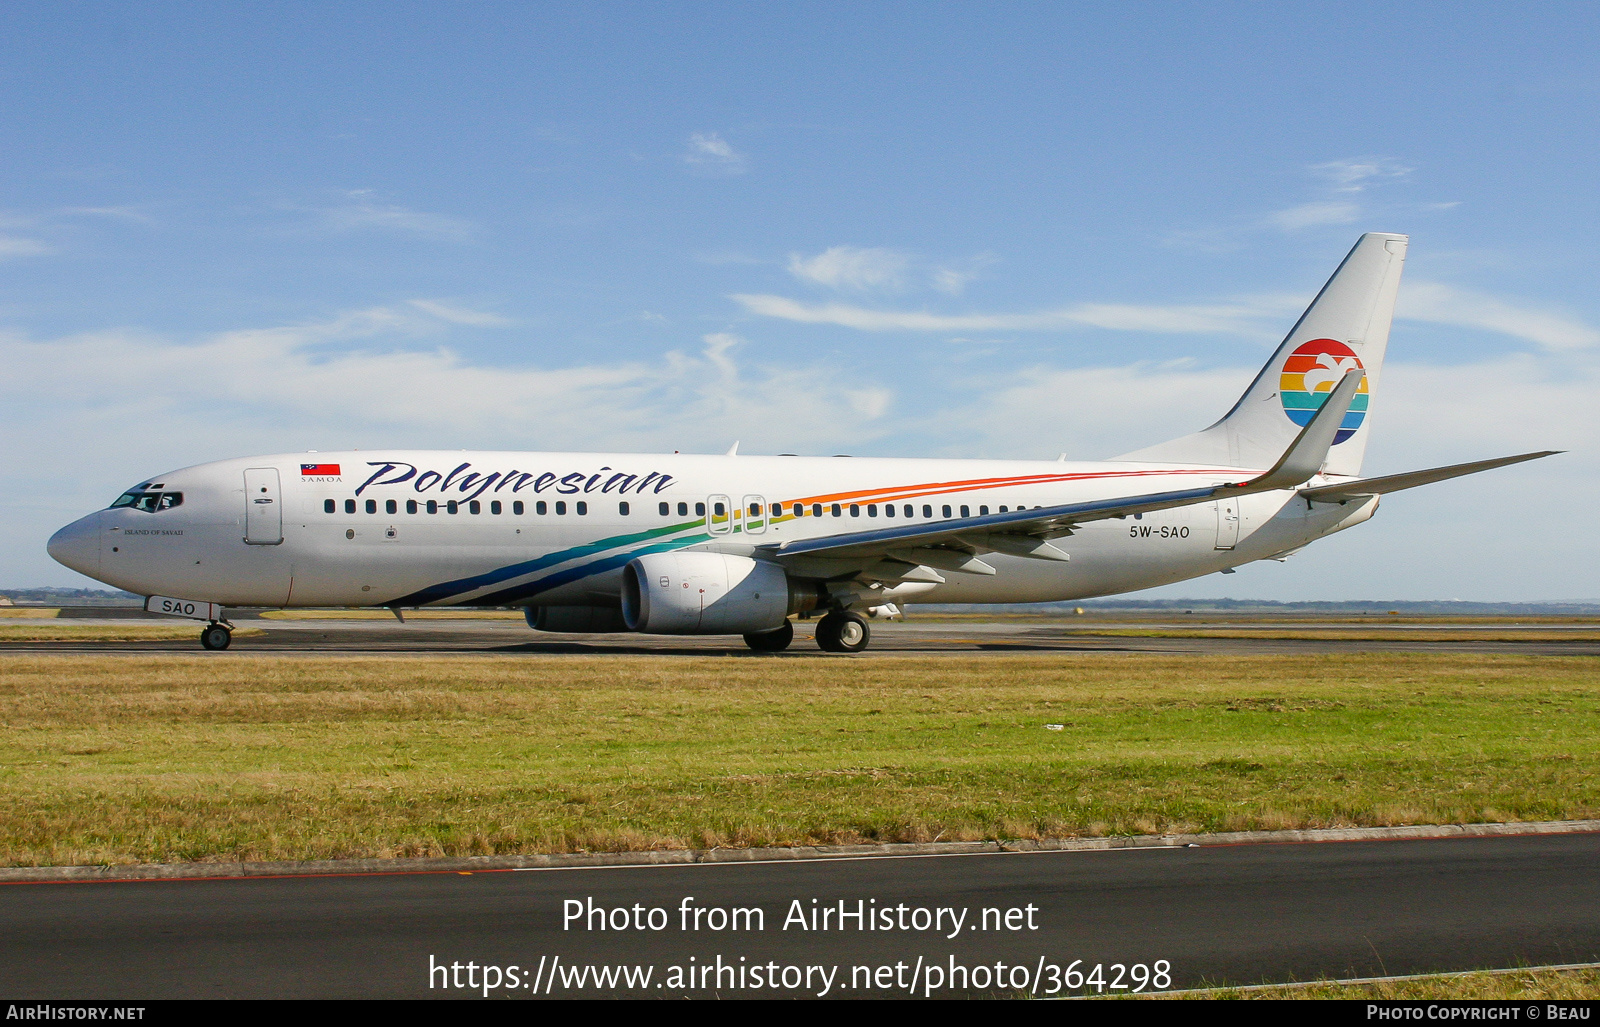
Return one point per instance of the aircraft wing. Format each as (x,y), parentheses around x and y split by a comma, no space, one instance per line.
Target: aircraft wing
(1411,479)
(954,544)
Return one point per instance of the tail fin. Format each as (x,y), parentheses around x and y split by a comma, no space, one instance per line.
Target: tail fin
(1346,327)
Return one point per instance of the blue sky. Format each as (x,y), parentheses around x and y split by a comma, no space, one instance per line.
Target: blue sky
(890,229)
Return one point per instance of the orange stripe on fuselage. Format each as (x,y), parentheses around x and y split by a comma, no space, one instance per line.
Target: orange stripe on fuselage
(899,492)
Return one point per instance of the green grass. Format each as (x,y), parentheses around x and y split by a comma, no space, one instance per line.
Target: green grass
(170,757)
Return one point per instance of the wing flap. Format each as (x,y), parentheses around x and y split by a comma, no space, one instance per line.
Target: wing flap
(966,534)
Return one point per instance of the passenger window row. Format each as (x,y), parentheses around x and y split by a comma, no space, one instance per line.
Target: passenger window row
(472,506)
(151,501)
(872,510)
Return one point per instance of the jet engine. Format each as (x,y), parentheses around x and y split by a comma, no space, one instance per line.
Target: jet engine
(708,594)
(575,619)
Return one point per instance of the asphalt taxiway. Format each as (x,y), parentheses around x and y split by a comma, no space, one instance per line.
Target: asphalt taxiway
(917,637)
(1236,914)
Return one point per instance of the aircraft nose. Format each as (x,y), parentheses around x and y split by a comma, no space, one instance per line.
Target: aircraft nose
(78,545)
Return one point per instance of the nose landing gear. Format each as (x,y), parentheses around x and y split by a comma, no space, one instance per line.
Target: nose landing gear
(215,636)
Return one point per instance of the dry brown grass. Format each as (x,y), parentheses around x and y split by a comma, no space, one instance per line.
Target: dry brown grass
(1264,620)
(1498,985)
(1486,634)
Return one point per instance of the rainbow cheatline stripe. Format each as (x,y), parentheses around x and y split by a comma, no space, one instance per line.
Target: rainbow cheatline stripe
(1310,373)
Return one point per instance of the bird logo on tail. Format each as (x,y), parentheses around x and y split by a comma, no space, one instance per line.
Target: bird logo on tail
(1310,374)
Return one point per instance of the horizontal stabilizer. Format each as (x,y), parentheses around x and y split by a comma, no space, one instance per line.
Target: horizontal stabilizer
(1411,479)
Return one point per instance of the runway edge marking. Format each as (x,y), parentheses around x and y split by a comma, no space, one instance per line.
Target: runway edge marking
(697,857)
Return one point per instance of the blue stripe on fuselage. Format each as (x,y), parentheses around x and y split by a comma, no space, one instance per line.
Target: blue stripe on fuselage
(445,589)
(527,590)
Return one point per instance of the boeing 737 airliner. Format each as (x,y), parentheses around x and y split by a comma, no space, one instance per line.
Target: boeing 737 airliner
(737,545)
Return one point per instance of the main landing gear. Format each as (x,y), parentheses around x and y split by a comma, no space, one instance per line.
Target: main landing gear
(838,632)
(772,641)
(215,636)
(842,632)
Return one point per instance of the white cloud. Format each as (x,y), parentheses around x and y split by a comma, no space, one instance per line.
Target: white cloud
(1507,404)
(1445,304)
(950,281)
(1357,174)
(1089,412)
(362,214)
(851,267)
(870,403)
(1238,319)
(98,408)
(1424,413)
(133,214)
(1255,317)
(716,351)
(880,269)
(17,246)
(88,414)
(710,153)
(459,315)
(56,226)
(1345,180)
(1310,215)
(953,281)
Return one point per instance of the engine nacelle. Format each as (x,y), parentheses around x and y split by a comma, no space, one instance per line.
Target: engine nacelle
(706,594)
(575,619)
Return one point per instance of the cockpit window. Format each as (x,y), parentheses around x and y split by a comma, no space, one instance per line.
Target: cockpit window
(149,502)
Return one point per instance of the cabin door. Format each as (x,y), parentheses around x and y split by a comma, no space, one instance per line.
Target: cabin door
(755,514)
(1227,522)
(719,515)
(263,507)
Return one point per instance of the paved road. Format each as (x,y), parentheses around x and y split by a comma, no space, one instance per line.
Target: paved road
(1243,914)
(914,638)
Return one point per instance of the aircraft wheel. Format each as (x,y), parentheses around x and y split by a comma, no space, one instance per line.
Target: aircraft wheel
(771,641)
(215,636)
(842,633)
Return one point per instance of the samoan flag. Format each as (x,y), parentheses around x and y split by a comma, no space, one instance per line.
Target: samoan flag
(331,470)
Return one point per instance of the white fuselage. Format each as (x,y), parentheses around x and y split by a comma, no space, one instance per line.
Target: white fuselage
(381,531)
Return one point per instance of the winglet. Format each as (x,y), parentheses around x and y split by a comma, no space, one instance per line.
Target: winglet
(1309,450)
(733,450)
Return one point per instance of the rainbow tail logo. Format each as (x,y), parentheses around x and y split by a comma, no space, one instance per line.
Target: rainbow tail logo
(1345,328)
(1310,374)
